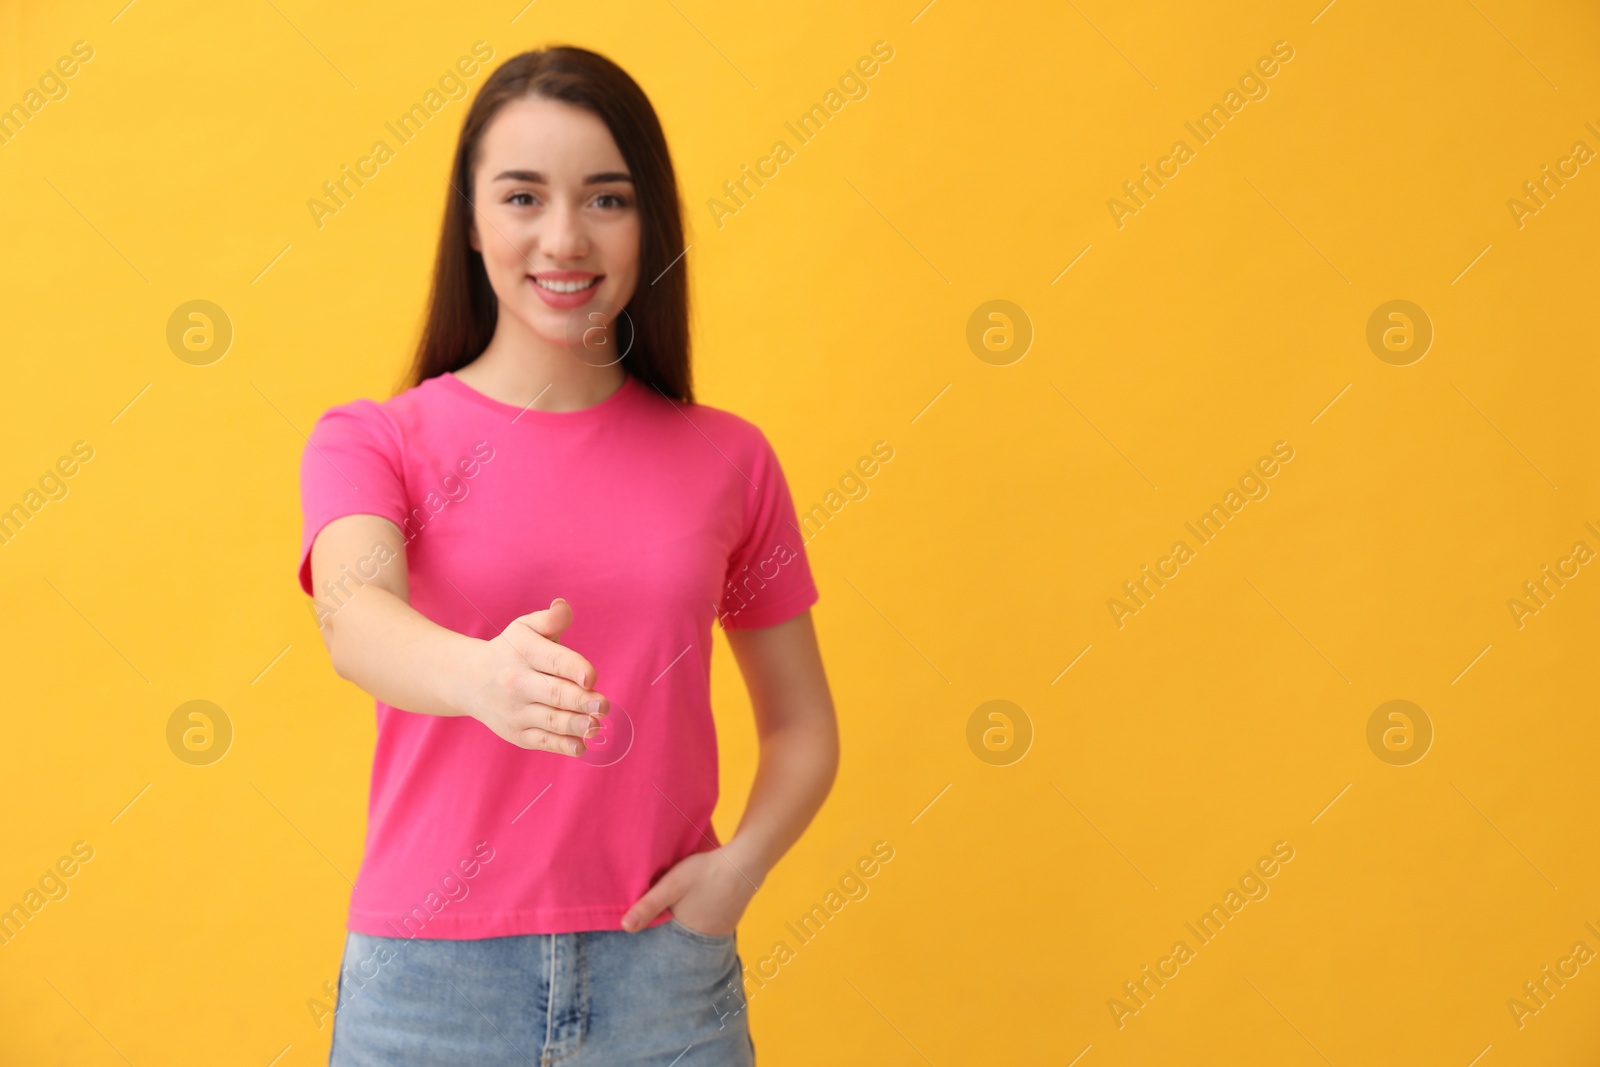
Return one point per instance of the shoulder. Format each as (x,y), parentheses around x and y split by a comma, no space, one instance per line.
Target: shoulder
(745,446)
(383,424)
(733,434)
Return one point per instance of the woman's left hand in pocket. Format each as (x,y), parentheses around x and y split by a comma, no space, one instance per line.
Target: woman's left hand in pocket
(707,892)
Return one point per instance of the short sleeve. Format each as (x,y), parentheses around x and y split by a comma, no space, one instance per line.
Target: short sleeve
(768,577)
(351,466)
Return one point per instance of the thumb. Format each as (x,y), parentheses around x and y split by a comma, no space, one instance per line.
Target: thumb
(552,620)
(661,895)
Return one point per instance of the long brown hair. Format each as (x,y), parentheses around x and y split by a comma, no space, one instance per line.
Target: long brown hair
(462,307)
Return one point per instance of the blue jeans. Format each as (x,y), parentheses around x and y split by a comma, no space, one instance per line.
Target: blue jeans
(667,995)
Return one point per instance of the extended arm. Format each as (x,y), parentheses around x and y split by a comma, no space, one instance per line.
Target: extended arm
(522,683)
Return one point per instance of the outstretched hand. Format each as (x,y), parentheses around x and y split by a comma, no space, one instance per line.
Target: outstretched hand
(531,691)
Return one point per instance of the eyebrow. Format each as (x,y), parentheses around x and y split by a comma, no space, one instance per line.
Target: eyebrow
(539,178)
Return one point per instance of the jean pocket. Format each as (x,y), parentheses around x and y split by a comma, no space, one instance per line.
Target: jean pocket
(719,940)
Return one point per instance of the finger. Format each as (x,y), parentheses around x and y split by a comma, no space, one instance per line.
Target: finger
(537,687)
(535,637)
(552,620)
(544,741)
(549,622)
(661,895)
(566,724)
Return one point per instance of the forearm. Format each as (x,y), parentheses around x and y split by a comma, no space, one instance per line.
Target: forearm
(794,773)
(397,654)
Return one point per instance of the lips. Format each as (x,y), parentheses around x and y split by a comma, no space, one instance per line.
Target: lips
(565,288)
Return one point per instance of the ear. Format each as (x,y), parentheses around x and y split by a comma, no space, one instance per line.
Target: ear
(472,237)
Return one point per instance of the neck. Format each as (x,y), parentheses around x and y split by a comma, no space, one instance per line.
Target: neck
(519,367)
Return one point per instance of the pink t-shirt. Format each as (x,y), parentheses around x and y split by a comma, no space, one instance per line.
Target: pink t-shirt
(650,517)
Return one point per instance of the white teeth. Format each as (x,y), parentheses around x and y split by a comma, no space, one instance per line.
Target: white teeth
(565,287)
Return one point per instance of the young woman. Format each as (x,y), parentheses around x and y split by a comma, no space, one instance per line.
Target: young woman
(519,556)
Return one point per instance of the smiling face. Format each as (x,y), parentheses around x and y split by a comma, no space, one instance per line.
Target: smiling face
(556,218)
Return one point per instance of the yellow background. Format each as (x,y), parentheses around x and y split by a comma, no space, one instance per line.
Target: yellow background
(1226,315)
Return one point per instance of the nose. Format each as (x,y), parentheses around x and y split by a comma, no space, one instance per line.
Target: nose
(561,232)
